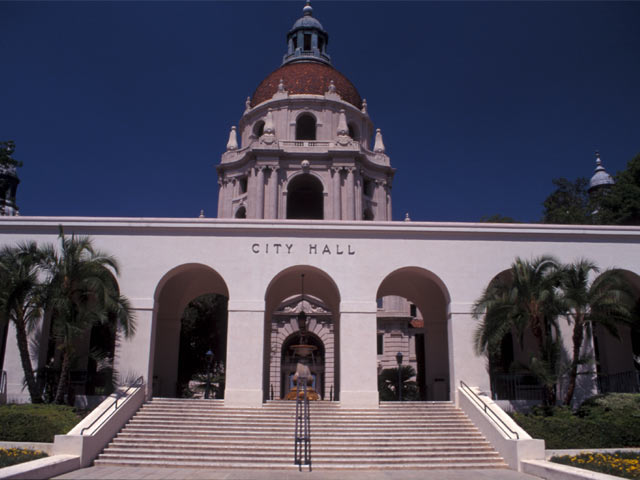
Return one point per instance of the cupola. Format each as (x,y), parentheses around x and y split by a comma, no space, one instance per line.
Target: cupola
(307,40)
(600,179)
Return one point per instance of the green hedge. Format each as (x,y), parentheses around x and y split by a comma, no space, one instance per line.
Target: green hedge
(35,423)
(603,421)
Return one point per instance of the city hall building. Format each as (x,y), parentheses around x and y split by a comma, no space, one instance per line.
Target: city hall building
(304,225)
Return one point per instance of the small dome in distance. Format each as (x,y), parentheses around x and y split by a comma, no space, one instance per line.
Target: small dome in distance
(600,177)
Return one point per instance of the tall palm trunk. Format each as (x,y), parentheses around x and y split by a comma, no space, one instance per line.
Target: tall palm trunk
(578,337)
(64,377)
(23,348)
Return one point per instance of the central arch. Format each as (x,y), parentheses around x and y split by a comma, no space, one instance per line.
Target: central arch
(284,299)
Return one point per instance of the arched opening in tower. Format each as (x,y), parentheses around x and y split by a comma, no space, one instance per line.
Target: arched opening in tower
(305,198)
(306,127)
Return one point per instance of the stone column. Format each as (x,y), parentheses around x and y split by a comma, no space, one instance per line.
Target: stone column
(221,200)
(245,354)
(337,207)
(134,356)
(273,193)
(464,364)
(259,192)
(358,355)
(350,194)
(358,194)
(389,210)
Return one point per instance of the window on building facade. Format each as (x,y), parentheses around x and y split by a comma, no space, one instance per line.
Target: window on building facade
(258,129)
(381,344)
(242,185)
(306,127)
(413,311)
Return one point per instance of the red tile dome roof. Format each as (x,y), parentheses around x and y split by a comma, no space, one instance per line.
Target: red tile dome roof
(311,78)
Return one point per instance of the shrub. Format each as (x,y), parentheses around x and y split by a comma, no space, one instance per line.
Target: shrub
(35,423)
(604,421)
(13,456)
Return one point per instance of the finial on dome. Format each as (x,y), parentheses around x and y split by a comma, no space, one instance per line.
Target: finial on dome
(378,146)
(232,144)
(598,161)
(247,104)
(307,10)
(281,86)
(201,214)
(332,87)
(364,105)
(406,217)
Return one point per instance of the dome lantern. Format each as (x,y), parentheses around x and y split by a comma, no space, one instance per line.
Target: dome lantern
(600,179)
(307,40)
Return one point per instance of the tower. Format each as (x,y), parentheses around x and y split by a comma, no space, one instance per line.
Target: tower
(301,150)
(8,180)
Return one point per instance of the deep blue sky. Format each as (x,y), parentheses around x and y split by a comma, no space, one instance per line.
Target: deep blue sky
(124,108)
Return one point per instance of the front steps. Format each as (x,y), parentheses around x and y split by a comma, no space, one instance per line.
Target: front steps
(205,433)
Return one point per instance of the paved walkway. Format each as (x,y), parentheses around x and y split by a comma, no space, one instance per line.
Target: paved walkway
(135,473)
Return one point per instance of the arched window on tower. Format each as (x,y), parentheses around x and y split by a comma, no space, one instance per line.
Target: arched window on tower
(305,198)
(258,129)
(353,132)
(306,127)
(241,212)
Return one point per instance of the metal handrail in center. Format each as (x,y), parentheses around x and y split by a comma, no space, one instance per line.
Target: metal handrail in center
(302,442)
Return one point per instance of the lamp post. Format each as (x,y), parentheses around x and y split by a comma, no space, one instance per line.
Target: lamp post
(399,360)
(207,387)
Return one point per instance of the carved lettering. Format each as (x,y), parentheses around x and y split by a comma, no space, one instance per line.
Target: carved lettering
(289,247)
(351,252)
(277,247)
(338,251)
(313,248)
(326,249)
(255,248)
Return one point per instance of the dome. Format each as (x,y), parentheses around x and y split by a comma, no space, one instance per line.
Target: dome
(600,177)
(312,78)
(307,22)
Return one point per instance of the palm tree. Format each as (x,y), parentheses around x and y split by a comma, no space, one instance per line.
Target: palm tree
(526,299)
(82,291)
(606,301)
(20,301)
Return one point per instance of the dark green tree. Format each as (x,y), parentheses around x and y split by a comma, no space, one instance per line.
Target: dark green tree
(203,327)
(388,384)
(525,299)
(569,203)
(82,291)
(607,301)
(621,204)
(21,301)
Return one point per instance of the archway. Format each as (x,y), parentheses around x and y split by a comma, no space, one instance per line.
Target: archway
(305,199)
(508,366)
(317,365)
(618,359)
(177,289)
(284,300)
(412,320)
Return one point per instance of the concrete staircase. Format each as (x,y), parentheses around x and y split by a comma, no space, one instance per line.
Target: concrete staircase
(205,433)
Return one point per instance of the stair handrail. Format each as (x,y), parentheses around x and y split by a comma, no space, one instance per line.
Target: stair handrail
(136,385)
(302,434)
(487,409)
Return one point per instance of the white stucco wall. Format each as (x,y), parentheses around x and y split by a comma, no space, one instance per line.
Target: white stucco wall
(459,260)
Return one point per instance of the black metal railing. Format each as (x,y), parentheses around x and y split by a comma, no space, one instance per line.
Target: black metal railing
(489,412)
(136,384)
(302,444)
(516,387)
(623,382)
